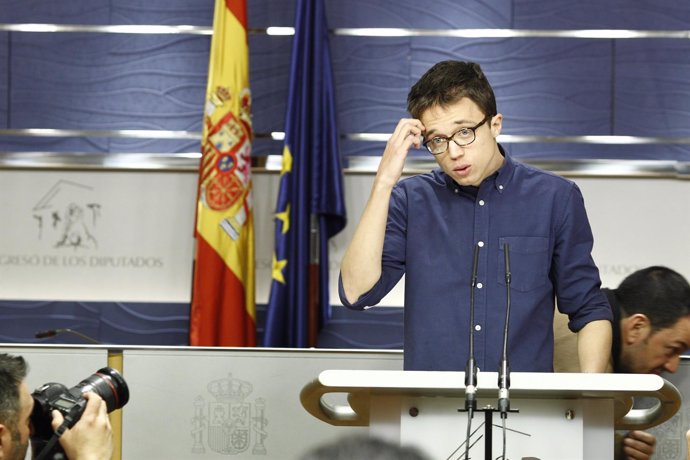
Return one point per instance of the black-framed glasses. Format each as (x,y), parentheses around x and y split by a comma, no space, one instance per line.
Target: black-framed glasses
(462,137)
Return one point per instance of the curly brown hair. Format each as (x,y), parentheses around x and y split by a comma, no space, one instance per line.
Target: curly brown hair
(446,83)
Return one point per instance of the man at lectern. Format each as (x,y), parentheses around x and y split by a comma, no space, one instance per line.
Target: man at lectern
(479,228)
(651,311)
(89,438)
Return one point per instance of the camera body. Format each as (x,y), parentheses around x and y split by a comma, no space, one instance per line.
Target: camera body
(54,396)
(106,382)
(66,400)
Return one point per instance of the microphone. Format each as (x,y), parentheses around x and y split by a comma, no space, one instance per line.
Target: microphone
(54,332)
(471,367)
(44,334)
(504,370)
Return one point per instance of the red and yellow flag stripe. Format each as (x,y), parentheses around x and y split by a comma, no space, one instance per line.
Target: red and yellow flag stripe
(223,304)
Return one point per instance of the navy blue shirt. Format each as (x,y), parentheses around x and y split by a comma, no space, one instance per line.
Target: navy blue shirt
(433,226)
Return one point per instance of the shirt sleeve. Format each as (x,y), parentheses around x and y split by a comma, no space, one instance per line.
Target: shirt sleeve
(575,276)
(393,259)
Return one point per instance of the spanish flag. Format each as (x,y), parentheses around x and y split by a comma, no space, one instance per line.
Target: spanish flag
(223,307)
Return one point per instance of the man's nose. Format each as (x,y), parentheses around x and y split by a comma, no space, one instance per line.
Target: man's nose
(672,364)
(454,150)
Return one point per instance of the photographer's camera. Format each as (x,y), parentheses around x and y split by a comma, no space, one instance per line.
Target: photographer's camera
(106,382)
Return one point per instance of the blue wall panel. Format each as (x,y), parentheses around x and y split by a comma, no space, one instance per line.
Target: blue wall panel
(602,14)
(106,322)
(438,14)
(60,12)
(378,328)
(163,12)
(4,77)
(442,14)
(652,88)
(108,81)
(269,70)
(168,324)
(50,144)
(126,145)
(569,151)
(372,81)
(20,320)
(99,12)
(271,13)
(144,324)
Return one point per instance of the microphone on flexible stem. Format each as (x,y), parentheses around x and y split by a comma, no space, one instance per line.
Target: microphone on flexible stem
(504,370)
(46,334)
(471,367)
(54,332)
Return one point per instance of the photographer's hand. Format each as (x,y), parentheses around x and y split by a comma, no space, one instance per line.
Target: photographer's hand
(91,438)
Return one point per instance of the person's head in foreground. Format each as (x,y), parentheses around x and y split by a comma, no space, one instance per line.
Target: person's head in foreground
(361,448)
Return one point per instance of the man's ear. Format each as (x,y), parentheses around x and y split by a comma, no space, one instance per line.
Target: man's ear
(496,123)
(5,437)
(635,328)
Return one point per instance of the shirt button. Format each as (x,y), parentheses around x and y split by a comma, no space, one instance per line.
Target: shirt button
(456,190)
(500,187)
(481,202)
(478,327)
(480,285)
(480,244)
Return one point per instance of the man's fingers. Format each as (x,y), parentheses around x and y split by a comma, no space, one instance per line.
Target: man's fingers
(408,127)
(95,406)
(57,419)
(639,445)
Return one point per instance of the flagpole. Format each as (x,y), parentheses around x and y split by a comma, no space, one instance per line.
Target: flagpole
(313,299)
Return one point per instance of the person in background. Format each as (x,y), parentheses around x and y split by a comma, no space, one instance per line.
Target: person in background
(429,226)
(360,448)
(89,439)
(651,311)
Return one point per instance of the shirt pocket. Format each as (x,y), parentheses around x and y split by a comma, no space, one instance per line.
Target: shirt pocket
(529,261)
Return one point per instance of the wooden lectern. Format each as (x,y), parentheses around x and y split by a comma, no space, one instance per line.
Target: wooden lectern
(553,416)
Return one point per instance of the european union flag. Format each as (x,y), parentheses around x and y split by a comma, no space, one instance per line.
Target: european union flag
(310,207)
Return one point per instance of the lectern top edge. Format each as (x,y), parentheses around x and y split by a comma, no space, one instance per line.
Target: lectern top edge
(364,386)
(520,381)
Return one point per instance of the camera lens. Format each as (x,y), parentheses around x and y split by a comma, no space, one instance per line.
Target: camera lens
(109,385)
(106,383)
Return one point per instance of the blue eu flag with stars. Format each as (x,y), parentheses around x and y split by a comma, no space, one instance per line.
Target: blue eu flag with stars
(310,207)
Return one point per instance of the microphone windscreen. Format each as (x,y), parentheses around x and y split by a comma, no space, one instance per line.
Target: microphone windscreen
(44,334)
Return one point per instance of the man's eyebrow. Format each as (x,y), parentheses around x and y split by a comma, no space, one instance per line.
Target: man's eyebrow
(681,344)
(457,122)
